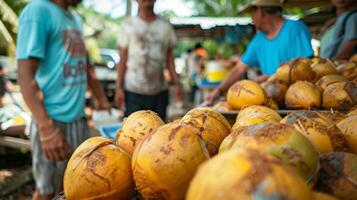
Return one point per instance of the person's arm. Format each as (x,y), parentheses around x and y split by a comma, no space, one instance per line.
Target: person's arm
(349,43)
(121,70)
(234,75)
(94,85)
(261,78)
(53,142)
(346,51)
(170,62)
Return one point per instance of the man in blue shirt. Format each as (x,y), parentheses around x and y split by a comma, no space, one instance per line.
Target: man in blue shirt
(278,40)
(54,73)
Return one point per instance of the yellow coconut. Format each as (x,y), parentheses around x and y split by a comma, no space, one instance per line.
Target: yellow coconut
(246,174)
(323,69)
(327,80)
(212,125)
(164,163)
(339,175)
(255,115)
(318,60)
(340,96)
(245,93)
(348,70)
(323,196)
(276,90)
(340,62)
(295,70)
(136,127)
(227,142)
(303,95)
(320,130)
(284,142)
(353,58)
(222,106)
(99,169)
(348,127)
(270,103)
(353,112)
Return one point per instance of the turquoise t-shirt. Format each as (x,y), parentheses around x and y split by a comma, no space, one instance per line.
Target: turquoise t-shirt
(293,41)
(54,36)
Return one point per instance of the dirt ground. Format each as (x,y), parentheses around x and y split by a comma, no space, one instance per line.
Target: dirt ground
(12,164)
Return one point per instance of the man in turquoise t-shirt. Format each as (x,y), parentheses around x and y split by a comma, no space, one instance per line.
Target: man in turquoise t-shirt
(278,40)
(53,75)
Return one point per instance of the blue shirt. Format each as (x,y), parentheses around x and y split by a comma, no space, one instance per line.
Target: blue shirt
(293,41)
(345,29)
(54,36)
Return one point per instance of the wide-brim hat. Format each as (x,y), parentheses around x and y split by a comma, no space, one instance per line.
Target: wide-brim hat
(260,3)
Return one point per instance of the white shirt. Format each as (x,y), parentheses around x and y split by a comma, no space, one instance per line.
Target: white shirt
(147,44)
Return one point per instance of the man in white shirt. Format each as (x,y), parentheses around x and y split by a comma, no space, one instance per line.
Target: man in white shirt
(146,42)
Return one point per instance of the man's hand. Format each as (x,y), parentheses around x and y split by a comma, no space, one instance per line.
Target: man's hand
(120,98)
(54,144)
(215,94)
(261,79)
(103,104)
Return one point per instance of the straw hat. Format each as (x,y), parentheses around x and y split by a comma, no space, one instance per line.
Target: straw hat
(247,8)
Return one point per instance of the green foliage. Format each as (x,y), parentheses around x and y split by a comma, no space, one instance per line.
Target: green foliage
(218,8)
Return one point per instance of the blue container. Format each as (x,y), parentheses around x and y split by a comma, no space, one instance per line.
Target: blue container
(109,131)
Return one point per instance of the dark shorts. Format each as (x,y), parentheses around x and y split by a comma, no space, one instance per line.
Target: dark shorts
(157,103)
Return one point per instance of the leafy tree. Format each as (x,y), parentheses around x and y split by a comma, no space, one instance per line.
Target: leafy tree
(218,8)
(9,11)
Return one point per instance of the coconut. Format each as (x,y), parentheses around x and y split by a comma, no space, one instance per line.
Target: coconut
(246,174)
(353,112)
(327,80)
(303,95)
(324,69)
(254,115)
(348,127)
(245,93)
(318,60)
(284,142)
(353,58)
(340,96)
(212,125)
(227,142)
(348,70)
(222,106)
(339,175)
(323,196)
(164,163)
(276,89)
(298,69)
(98,169)
(319,129)
(136,127)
